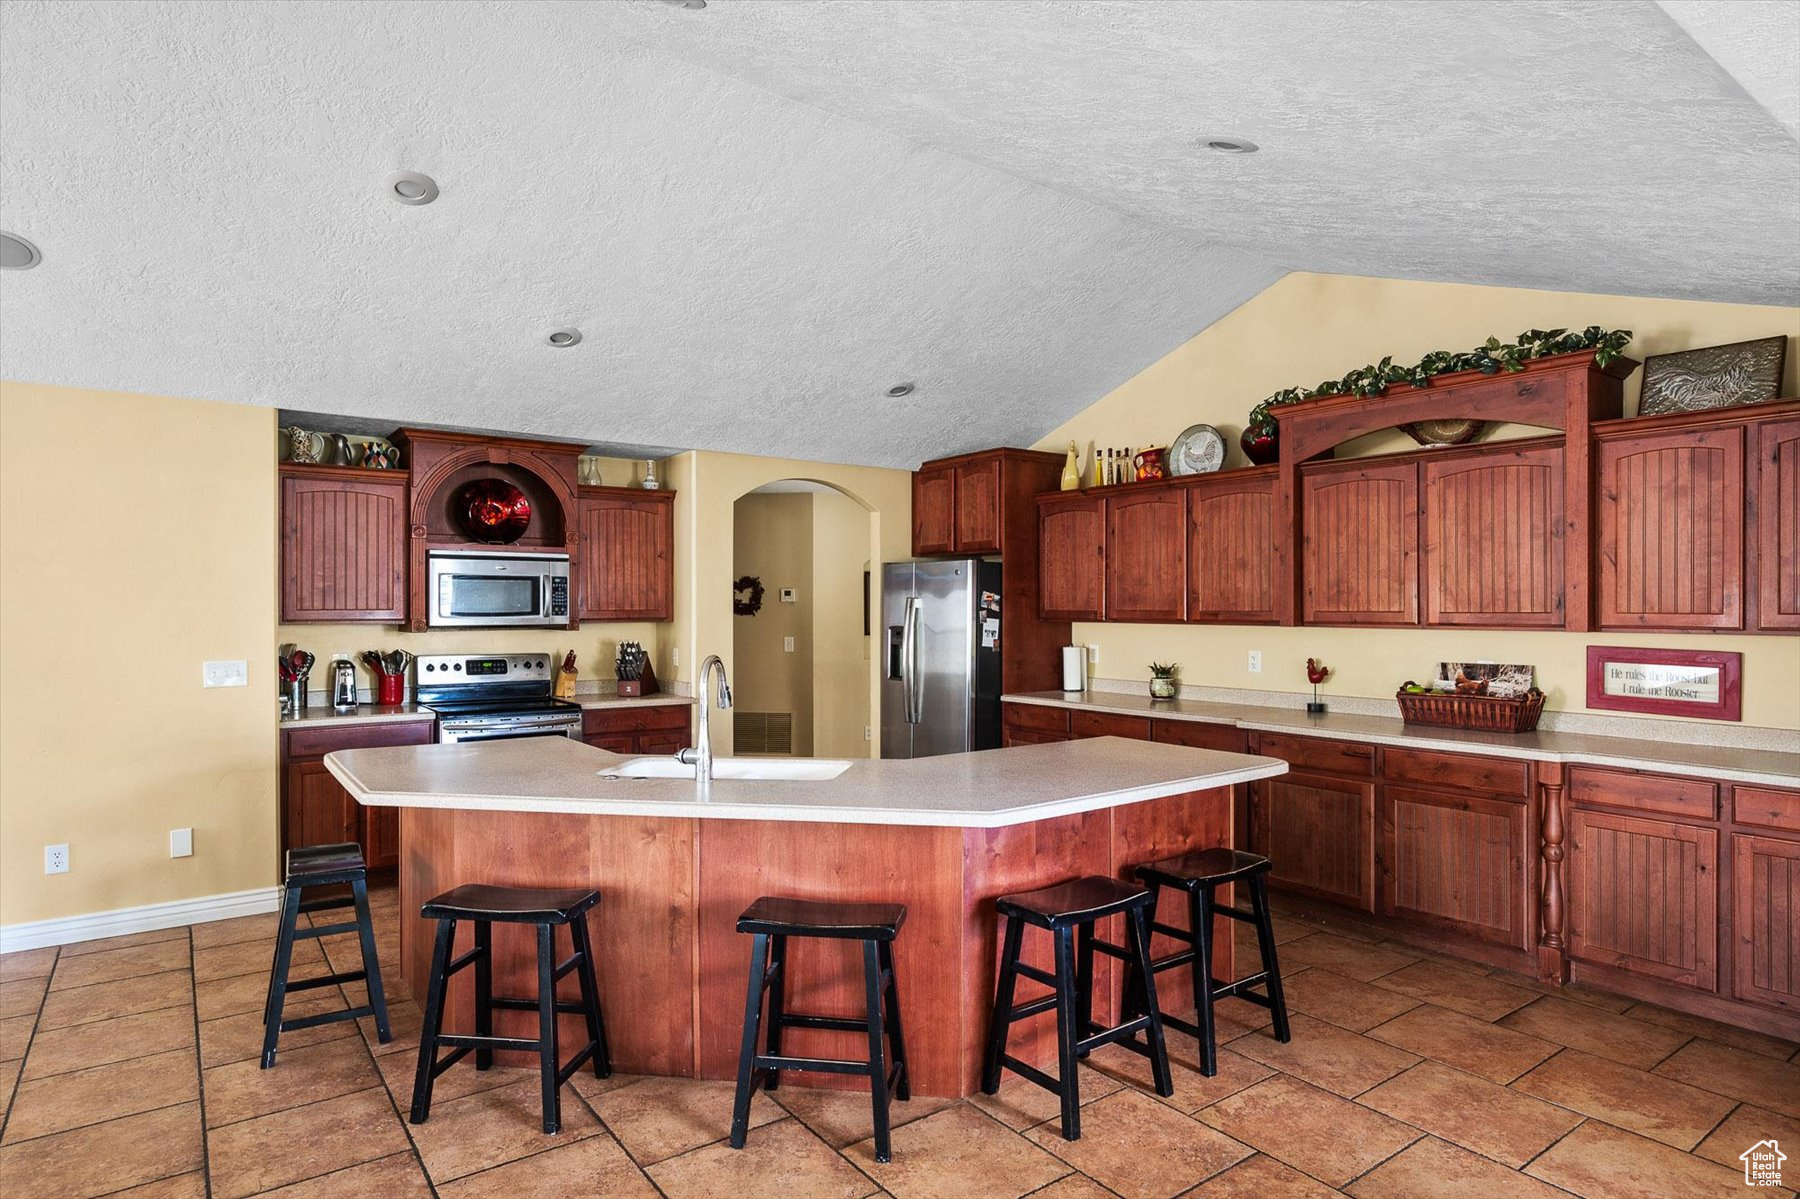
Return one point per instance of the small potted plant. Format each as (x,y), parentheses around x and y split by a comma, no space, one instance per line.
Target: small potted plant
(1162,680)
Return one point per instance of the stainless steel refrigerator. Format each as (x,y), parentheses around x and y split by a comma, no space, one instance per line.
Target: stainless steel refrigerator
(941,629)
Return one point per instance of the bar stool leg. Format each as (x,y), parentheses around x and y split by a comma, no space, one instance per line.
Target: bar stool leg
(1066,1035)
(1200,923)
(433,1021)
(1001,1024)
(753,1002)
(777,1007)
(1084,982)
(1265,942)
(1159,1051)
(878,1093)
(278,974)
(547,1052)
(1132,992)
(365,932)
(484,991)
(896,1038)
(590,998)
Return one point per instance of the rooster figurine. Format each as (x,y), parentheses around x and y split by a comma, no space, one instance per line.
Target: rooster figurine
(1316,673)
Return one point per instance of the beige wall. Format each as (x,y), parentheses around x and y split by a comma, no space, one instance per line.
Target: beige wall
(841,663)
(773,541)
(138,536)
(1311,327)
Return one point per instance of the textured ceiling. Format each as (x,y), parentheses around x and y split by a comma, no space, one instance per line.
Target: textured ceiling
(762,214)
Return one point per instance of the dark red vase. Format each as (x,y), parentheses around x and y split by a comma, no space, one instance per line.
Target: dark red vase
(493,511)
(1261,444)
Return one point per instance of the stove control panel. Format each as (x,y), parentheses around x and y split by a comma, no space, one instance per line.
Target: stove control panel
(485,668)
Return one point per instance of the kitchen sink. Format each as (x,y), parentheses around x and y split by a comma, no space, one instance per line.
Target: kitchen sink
(784,770)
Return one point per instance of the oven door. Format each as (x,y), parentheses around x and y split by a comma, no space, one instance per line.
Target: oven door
(488,591)
(463,733)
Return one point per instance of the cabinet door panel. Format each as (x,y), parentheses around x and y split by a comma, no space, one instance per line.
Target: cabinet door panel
(1318,834)
(1072,558)
(1778,525)
(1146,555)
(1766,920)
(627,557)
(381,837)
(343,549)
(1456,862)
(1360,550)
(1231,551)
(977,521)
(1670,515)
(934,510)
(1493,539)
(319,810)
(1643,896)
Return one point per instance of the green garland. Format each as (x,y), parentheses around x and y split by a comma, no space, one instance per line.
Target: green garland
(1490,359)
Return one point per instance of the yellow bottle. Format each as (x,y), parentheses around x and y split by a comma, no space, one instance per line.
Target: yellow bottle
(1071,476)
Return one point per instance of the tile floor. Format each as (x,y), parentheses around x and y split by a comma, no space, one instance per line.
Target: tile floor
(128,1067)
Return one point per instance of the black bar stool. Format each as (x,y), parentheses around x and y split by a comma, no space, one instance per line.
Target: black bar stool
(1068,911)
(322,866)
(772,921)
(485,906)
(1199,874)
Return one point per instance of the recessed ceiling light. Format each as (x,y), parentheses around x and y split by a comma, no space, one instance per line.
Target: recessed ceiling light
(898,390)
(410,187)
(562,339)
(685,3)
(1229,145)
(17,254)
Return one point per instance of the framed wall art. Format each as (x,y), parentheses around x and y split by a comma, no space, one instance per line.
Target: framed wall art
(1744,372)
(1666,682)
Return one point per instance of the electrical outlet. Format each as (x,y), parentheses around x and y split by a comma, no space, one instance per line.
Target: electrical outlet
(1254,666)
(1093,657)
(181,842)
(56,859)
(868,733)
(787,644)
(229,673)
(675,657)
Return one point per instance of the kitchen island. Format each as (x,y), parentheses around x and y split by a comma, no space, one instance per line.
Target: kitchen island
(675,866)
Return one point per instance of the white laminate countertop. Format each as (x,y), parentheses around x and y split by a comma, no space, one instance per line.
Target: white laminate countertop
(660,699)
(320,715)
(992,788)
(1726,763)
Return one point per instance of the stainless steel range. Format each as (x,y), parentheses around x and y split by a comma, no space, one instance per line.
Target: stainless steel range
(494,697)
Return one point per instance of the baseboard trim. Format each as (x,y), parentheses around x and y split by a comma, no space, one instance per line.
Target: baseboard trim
(67,930)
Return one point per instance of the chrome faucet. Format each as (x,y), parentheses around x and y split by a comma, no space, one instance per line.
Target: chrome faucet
(701,756)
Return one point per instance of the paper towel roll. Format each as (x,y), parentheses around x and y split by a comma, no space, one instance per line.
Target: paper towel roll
(1074,668)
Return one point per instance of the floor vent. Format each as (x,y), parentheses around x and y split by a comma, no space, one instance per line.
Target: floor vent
(762,732)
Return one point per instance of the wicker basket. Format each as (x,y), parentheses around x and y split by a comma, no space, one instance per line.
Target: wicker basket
(1480,713)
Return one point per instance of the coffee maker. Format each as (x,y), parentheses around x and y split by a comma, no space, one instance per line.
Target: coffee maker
(343,685)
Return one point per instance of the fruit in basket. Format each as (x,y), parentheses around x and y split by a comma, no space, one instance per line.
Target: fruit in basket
(1412,688)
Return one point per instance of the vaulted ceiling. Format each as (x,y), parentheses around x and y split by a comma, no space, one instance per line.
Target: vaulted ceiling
(763,214)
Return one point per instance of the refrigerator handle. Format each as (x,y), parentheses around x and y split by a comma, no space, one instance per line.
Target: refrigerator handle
(909,661)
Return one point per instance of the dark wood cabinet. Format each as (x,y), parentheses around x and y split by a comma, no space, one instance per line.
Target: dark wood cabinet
(934,510)
(1318,832)
(1109,724)
(1360,549)
(1032,724)
(627,560)
(1146,555)
(1224,737)
(1231,559)
(316,810)
(978,506)
(632,728)
(1669,515)
(1778,523)
(1766,919)
(1072,556)
(1643,896)
(343,544)
(1493,552)
(1457,861)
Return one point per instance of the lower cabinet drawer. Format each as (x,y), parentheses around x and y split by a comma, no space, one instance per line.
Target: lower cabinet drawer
(316,742)
(1109,724)
(1501,776)
(1036,717)
(1201,736)
(599,721)
(1643,792)
(1318,753)
(1766,807)
(1011,736)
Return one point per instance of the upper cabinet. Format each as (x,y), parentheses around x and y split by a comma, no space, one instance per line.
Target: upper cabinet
(1146,555)
(1231,573)
(1360,552)
(627,553)
(973,504)
(1493,548)
(977,511)
(1072,556)
(343,544)
(1778,522)
(934,510)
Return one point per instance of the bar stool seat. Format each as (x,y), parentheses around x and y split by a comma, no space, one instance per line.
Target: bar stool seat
(322,866)
(1068,911)
(484,906)
(1200,874)
(771,920)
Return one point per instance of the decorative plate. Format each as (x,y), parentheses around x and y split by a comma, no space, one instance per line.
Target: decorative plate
(493,511)
(1199,450)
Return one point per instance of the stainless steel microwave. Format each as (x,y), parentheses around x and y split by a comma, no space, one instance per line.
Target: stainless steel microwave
(470,589)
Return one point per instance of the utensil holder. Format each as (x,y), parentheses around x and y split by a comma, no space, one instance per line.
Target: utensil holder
(390,689)
(297,696)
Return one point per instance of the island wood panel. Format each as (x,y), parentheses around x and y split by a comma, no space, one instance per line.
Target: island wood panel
(1318,833)
(1493,553)
(643,930)
(1457,862)
(1766,920)
(627,567)
(343,545)
(1146,555)
(976,517)
(1643,896)
(1670,518)
(1072,557)
(1360,546)
(1231,557)
(934,510)
(1778,524)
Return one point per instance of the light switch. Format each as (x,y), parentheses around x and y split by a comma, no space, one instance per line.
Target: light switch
(181,842)
(232,673)
(787,643)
